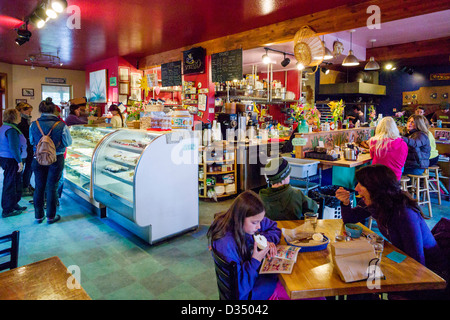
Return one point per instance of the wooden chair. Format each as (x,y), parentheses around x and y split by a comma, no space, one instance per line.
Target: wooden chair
(12,251)
(416,182)
(434,179)
(227,278)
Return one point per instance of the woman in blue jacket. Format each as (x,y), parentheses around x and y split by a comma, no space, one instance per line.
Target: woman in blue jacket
(231,236)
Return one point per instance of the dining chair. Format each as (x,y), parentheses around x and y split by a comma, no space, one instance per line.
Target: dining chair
(227,278)
(12,251)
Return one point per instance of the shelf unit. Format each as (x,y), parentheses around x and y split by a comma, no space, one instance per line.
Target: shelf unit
(212,158)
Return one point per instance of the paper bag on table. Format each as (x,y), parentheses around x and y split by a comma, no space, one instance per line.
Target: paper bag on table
(296,234)
(352,259)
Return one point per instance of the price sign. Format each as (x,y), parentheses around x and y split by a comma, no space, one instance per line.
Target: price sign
(299,142)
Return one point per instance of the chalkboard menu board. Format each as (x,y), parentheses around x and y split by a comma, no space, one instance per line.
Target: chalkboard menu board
(171,74)
(226,66)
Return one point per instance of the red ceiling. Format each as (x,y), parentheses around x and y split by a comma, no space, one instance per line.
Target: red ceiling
(136,28)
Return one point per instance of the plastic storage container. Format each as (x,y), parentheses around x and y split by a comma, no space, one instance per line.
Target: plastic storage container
(302,168)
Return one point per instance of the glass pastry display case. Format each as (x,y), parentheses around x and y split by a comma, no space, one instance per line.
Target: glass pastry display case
(77,165)
(148,181)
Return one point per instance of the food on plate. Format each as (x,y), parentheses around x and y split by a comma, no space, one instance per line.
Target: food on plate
(261,241)
(114,168)
(317,237)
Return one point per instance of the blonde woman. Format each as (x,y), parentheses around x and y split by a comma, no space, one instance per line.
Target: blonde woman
(419,147)
(387,146)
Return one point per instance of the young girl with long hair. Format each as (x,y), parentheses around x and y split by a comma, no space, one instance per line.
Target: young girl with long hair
(117,119)
(387,147)
(419,147)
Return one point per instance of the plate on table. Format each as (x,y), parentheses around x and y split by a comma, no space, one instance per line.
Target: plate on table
(310,245)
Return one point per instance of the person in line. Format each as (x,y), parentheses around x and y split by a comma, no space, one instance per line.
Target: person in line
(47,177)
(24,126)
(281,200)
(74,116)
(13,149)
(117,121)
(434,153)
(398,216)
(419,147)
(387,146)
(442,114)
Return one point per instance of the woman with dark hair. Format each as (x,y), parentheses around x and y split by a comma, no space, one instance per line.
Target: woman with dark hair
(419,147)
(117,120)
(24,126)
(231,237)
(74,116)
(398,216)
(47,177)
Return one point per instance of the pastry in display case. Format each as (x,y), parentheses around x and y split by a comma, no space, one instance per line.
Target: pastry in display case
(148,181)
(77,165)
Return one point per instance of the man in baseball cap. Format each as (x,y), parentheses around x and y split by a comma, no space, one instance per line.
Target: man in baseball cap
(281,200)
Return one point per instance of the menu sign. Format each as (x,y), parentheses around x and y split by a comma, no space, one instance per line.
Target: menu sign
(226,66)
(171,74)
(194,60)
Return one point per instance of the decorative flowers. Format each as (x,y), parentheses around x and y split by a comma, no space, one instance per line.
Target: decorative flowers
(337,109)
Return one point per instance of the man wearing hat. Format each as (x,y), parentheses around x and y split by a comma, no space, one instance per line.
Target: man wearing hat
(281,200)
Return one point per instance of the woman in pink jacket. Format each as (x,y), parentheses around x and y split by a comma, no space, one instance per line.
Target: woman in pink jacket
(387,147)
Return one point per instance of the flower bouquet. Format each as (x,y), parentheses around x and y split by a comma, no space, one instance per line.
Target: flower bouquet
(337,109)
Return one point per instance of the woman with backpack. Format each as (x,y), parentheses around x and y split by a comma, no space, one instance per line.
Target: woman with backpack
(48,162)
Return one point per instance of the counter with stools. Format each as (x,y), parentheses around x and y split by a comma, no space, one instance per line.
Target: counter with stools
(419,184)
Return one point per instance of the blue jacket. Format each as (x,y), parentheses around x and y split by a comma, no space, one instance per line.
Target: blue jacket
(261,286)
(60,135)
(408,231)
(12,143)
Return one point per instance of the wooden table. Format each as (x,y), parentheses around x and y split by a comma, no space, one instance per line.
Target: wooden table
(314,274)
(362,159)
(42,280)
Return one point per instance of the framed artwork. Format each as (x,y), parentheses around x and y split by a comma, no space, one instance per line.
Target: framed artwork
(123,98)
(136,94)
(135,80)
(97,86)
(21,101)
(124,88)
(27,92)
(124,74)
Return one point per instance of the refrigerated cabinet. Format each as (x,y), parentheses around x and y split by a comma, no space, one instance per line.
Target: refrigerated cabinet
(77,165)
(148,182)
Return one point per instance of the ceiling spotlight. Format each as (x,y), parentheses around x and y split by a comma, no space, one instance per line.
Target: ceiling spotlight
(23,36)
(389,66)
(285,61)
(325,70)
(350,60)
(299,66)
(50,12)
(266,58)
(59,5)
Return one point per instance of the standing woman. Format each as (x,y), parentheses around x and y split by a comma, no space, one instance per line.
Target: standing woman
(418,145)
(47,177)
(25,113)
(13,149)
(117,121)
(387,146)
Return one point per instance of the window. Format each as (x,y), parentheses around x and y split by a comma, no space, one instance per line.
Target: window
(57,93)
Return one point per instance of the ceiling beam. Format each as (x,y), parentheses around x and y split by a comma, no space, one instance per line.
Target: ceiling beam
(342,18)
(416,49)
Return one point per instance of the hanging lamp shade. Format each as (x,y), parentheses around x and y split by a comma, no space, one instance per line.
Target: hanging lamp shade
(372,64)
(328,54)
(350,60)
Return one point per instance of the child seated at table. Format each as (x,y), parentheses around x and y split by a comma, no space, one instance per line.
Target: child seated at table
(281,200)
(231,237)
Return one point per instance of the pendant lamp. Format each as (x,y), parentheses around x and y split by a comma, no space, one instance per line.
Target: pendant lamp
(350,60)
(372,64)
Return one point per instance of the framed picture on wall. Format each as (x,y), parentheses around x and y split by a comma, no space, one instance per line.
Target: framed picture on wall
(124,74)
(97,86)
(124,88)
(136,94)
(26,92)
(135,80)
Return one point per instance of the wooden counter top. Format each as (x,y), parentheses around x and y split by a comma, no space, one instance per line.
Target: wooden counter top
(362,159)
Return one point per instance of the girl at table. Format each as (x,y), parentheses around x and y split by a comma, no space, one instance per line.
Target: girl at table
(387,147)
(398,216)
(419,147)
(231,236)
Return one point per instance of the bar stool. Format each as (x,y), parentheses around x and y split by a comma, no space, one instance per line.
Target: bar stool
(437,187)
(404,183)
(415,184)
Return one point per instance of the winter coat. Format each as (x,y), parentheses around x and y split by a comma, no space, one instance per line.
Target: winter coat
(419,149)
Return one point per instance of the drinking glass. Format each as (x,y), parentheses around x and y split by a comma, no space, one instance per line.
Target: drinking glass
(378,246)
(311,218)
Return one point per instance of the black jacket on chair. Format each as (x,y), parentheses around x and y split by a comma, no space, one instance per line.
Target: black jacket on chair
(418,150)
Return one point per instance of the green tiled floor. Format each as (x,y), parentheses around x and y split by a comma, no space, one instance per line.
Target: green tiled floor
(115,264)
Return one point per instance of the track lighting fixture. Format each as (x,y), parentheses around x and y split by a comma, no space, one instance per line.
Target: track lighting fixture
(23,35)
(266,58)
(325,70)
(285,61)
(300,66)
(59,5)
(46,10)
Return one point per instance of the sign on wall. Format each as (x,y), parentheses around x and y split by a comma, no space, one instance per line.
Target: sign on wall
(194,60)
